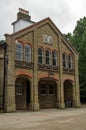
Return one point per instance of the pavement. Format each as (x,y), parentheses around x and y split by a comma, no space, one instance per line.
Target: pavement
(46,119)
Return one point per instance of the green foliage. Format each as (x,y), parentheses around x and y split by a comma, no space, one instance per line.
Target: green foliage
(78,40)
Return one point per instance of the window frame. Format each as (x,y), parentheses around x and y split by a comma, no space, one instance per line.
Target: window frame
(54,58)
(19,89)
(27,55)
(47,58)
(43,89)
(51,90)
(70,61)
(19,51)
(65,60)
(40,56)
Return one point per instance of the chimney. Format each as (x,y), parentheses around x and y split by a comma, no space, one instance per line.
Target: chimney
(24,14)
(23,20)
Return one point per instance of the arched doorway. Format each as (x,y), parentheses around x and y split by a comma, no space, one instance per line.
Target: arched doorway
(47,93)
(22,93)
(68,93)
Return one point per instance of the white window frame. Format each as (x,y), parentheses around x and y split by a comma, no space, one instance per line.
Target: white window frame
(47,39)
(27,53)
(40,56)
(19,51)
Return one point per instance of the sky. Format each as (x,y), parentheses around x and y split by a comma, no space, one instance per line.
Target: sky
(64,13)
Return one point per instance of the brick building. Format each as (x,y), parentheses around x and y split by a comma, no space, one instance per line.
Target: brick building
(42,68)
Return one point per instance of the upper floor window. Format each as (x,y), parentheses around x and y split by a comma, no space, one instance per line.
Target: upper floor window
(27,53)
(64,60)
(47,55)
(54,58)
(70,61)
(40,56)
(19,51)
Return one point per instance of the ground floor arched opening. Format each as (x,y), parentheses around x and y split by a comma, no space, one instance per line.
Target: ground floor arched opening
(47,89)
(22,93)
(68,93)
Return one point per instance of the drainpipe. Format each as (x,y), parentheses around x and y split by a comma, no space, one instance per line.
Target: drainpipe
(4,45)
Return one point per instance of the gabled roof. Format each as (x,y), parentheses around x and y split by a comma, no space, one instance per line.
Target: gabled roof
(38,25)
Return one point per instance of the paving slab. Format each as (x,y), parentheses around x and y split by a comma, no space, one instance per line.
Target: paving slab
(48,119)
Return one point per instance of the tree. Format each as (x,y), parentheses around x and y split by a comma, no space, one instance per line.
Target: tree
(78,40)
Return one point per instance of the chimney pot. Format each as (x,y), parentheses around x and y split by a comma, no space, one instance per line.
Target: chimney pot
(23,11)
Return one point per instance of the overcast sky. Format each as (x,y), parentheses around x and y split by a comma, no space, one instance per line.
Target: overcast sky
(64,13)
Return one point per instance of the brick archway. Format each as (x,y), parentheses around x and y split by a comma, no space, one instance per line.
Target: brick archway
(68,93)
(22,93)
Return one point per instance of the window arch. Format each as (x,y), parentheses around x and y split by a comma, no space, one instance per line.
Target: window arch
(19,51)
(54,58)
(40,55)
(47,55)
(64,60)
(27,53)
(70,61)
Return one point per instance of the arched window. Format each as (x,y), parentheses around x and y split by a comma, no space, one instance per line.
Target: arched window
(19,51)
(27,53)
(64,60)
(70,61)
(40,55)
(47,55)
(54,58)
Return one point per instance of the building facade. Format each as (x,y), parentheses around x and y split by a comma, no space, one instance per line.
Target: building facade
(42,68)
